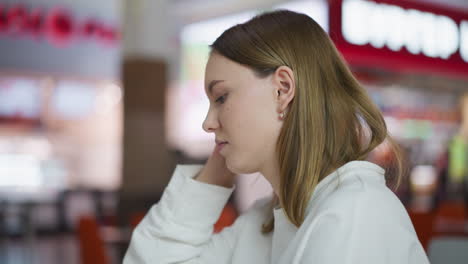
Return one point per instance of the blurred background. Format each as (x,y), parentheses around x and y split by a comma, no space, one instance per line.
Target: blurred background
(99,100)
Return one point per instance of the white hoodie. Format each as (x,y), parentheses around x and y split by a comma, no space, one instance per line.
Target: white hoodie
(352,217)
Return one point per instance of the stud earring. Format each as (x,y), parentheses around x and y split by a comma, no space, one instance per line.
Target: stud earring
(281,115)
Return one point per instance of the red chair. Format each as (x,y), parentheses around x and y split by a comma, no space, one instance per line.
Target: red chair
(228,217)
(423,224)
(92,248)
(450,218)
(136,217)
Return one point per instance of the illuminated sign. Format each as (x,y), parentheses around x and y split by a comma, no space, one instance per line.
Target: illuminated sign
(366,22)
(401,34)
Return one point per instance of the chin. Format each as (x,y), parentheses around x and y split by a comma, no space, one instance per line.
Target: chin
(239,167)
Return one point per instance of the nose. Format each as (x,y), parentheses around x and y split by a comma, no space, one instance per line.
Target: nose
(211,122)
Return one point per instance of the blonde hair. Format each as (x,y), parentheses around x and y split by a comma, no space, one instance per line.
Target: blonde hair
(331,119)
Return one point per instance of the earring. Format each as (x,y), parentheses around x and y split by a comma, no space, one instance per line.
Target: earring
(281,115)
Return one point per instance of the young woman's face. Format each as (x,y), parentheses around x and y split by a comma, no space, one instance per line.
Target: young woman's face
(243,113)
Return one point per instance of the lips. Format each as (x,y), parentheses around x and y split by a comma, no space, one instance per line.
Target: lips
(219,142)
(220,145)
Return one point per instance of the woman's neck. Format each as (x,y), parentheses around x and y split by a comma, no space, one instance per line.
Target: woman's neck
(272,175)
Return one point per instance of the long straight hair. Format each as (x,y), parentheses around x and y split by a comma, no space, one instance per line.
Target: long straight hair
(331,119)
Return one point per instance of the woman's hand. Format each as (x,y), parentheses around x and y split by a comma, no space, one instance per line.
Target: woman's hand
(216,172)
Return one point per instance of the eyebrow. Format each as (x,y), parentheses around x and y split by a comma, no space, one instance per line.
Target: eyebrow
(212,84)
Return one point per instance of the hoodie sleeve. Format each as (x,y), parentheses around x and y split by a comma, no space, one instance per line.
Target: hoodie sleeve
(179,228)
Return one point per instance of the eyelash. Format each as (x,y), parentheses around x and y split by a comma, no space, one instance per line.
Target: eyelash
(221,99)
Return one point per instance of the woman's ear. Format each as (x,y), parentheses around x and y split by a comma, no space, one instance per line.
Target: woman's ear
(285,84)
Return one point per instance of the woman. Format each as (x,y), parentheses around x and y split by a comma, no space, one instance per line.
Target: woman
(282,103)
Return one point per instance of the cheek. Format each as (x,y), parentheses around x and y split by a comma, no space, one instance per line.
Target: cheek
(242,153)
(248,150)
(252,125)
(233,119)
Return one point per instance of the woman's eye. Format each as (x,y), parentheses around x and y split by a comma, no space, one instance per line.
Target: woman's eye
(221,99)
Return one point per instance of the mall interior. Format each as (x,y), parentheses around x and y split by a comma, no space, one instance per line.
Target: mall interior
(100,100)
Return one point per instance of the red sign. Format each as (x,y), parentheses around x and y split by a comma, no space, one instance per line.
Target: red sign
(401,36)
(57,25)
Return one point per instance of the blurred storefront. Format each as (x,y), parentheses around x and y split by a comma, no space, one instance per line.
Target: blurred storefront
(60,111)
(413,58)
(90,117)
